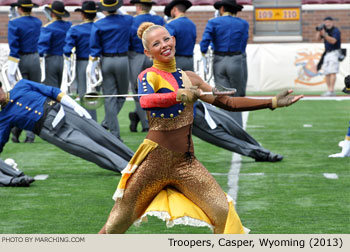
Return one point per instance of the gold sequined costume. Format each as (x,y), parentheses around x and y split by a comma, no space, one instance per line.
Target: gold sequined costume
(166,180)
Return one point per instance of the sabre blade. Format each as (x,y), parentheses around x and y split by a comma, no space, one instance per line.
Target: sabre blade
(226,92)
(120,95)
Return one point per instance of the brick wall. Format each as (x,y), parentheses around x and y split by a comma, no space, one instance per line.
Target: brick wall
(311,18)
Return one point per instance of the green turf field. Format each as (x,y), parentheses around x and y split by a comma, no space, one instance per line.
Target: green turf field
(291,196)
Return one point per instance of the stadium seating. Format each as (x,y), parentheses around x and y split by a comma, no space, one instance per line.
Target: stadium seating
(312,1)
(332,1)
(165,2)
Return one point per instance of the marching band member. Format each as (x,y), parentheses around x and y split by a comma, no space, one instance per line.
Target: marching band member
(138,61)
(23,36)
(184,31)
(110,40)
(218,128)
(10,176)
(51,43)
(227,33)
(78,37)
(58,119)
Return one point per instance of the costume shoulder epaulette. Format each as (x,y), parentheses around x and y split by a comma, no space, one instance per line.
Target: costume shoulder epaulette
(15,18)
(143,73)
(45,25)
(99,19)
(169,21)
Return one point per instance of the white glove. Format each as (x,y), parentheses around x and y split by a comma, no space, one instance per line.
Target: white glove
(68,64)
(11,163)
(100,15)
(12,67)
(42,68)
(121,11)
(69,102)
(205,66)
(82,112)
(90,69)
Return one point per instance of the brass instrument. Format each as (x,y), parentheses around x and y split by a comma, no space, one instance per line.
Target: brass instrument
(68,79)
(207,66)
(13,13)
(94,101)
(6,85)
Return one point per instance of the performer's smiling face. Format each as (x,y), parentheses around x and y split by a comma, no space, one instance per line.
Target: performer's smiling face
(161,46)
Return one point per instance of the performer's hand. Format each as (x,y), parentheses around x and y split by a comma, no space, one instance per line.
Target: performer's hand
(42,68)
(188,95)
(82,112)
(90,69)
(12,68)
(284,99)
(66,100)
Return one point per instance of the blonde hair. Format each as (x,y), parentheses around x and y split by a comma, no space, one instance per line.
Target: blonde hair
(144,29)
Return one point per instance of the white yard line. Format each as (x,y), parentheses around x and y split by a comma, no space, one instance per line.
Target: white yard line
(233,175)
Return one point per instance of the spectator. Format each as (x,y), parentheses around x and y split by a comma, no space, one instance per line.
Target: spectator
(331,37)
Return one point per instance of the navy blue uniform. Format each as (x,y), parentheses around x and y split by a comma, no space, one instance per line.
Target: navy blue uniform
(184,31)
(51,43)
(36,107)
(135,42)
(228,36)
(25,107)
(78,37)
(23,35)
(110,35)
(110,39)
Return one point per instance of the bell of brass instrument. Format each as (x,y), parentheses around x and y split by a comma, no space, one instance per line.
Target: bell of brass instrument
(13,13)
(6,85)
(93,102)
(68,79)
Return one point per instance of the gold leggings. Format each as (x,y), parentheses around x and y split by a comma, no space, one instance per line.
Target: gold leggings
(161,168)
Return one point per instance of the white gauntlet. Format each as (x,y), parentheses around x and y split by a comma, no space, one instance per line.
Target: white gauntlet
(90,69)
(12,66)
(69,102)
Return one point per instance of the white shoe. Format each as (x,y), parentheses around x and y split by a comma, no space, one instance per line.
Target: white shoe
(328,93)
(341,144)
(345,152)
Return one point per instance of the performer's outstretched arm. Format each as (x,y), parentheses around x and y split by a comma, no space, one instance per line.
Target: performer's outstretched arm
(241,103)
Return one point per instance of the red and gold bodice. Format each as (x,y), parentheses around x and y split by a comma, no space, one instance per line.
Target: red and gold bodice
(159,85)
